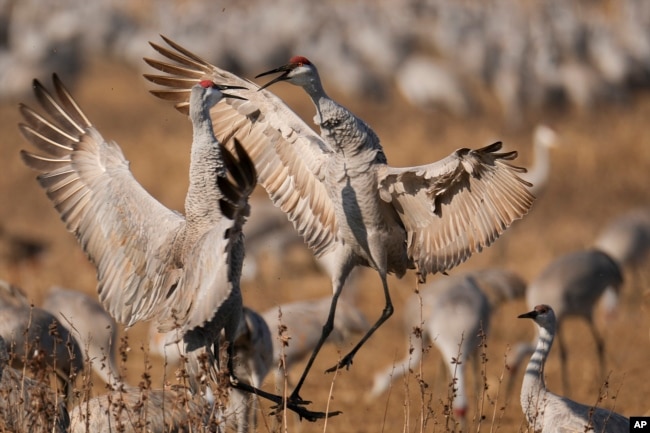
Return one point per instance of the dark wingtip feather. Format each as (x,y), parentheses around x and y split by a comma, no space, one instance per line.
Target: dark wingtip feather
(246,164)
(228,209)
(231,192)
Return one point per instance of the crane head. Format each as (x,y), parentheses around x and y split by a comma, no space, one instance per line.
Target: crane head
(209,84)
(297,66)
(542,314)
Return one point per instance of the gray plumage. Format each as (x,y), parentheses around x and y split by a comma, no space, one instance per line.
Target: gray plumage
(499,285)
(572,284)
(253,358)
(626,238)
(338,190)
(37,338)
(252,362)
(152,263)
(453,314)
(91,325)
(131,410)
(27,405)
(550,413)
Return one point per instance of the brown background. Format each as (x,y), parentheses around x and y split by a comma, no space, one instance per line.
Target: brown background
(601,170)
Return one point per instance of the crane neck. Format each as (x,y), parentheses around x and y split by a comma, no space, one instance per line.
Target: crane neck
(533,388)
(346,132)
(202,200)
(314,88)
(541,163)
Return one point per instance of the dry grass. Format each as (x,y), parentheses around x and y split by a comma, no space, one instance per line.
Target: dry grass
(602,169)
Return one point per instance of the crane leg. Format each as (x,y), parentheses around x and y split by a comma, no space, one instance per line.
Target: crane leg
(327,330)
(296,406)
(325,333)
(600,347)
(346,361)
(281,403)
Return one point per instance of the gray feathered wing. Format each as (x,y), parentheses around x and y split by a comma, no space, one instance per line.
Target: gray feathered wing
(125,232)
(288,154)
(456,206)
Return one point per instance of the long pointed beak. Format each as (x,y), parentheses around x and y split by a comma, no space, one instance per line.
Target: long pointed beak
(223,87)
(285,76)
(529,315)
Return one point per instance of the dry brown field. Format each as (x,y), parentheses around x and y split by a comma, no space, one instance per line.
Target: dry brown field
(601,170)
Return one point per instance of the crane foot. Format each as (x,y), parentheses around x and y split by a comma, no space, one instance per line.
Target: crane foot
(293,403)
(346,362)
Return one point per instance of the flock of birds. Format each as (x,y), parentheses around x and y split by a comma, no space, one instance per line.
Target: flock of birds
(183,272)
(435,52)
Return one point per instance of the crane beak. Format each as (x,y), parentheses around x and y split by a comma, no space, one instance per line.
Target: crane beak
(286,69)
(223,87)
(529,315)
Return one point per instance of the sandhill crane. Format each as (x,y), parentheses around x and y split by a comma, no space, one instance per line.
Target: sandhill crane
(302,323)
(627,238)
(253,359)
(453,314)
(28,405)
(130,409)
(37,338)
(544,139)
(93,328)
(547,412)
(339,191)
(152,263)
(572,284)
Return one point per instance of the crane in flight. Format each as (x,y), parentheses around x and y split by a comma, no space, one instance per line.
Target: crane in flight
(340,193)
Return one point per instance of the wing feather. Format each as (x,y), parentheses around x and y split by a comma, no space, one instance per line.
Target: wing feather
(288,155)
(125,232)
(457,206)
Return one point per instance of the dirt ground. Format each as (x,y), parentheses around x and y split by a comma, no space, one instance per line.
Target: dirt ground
(601,169)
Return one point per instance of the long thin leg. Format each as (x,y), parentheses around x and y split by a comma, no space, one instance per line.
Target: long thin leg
(280,402)
(600,346)
(293,405)
(325,333)
(346,361)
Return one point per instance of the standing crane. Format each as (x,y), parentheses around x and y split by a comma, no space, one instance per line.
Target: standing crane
(152,263)
(547,412)
(38,339)
(93,328)
(572,284)
(339,191)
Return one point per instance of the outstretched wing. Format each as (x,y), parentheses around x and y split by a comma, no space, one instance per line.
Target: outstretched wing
(288,155)
(456,206)
(125,232)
